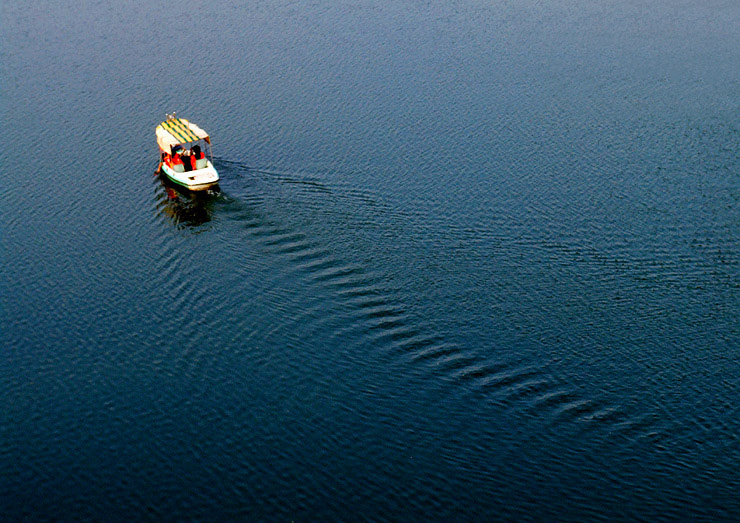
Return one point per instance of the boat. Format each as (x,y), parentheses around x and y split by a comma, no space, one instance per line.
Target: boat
(186,155)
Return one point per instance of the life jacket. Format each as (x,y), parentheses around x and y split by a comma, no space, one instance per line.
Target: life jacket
(194,157)
(176,160)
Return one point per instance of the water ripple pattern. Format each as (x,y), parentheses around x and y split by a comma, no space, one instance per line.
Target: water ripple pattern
(467,262)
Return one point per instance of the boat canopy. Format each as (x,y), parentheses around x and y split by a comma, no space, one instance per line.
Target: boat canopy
(177,131)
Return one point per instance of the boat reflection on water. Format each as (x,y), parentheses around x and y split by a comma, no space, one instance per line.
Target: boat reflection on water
(186,208)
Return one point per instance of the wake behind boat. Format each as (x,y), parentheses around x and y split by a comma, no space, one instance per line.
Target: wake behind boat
(184,151)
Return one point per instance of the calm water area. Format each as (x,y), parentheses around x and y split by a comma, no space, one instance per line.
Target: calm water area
(476,261)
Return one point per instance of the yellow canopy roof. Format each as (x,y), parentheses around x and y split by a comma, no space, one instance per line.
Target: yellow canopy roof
(176,131)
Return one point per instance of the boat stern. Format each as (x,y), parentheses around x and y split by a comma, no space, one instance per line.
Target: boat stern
(199,179)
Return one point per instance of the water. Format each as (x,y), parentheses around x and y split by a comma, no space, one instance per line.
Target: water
(473,261)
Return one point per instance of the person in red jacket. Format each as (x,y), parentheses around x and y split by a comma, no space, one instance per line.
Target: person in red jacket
(177,160)
(195,155)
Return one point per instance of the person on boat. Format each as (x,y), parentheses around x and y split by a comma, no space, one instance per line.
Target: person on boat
(186,159)
(177,164)
(195,155)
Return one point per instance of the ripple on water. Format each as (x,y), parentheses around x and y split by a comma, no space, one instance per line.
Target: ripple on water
(377,318)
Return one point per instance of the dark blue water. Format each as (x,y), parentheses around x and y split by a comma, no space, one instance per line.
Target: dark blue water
(472,261)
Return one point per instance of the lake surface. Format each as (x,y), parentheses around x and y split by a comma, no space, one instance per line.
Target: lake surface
(473,261)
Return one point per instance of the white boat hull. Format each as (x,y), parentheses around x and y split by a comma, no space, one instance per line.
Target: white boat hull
(198,180)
